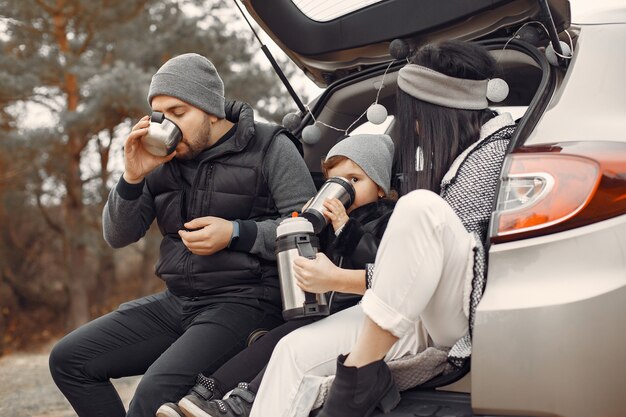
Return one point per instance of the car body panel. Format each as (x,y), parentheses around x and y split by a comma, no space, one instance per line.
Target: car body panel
(589,105)
(597,12)
(542,342)
(550,331)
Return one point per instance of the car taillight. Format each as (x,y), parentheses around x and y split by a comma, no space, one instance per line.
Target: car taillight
(548,189)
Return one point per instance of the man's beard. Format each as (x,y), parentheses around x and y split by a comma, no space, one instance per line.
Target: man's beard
(198,142)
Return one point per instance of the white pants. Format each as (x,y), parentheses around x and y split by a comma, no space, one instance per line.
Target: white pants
(417,295)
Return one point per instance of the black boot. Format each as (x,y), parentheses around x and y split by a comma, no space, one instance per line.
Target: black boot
(356,392)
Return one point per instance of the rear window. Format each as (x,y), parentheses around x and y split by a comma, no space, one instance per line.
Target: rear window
(325,10)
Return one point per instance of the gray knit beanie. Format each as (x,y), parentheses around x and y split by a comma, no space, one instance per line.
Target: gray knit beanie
(373,153)
(193,79)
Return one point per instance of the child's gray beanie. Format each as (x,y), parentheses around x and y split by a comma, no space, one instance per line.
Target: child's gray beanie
(193,79)
(373,153)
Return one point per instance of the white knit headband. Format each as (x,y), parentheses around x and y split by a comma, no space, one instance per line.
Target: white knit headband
(458,93)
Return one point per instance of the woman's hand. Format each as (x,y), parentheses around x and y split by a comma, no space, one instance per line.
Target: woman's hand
(138,162)
(317,275)
(336,213)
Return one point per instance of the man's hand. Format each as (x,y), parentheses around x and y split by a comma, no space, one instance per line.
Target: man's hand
(213,235)
(138,162)
(335,212)
(317,275)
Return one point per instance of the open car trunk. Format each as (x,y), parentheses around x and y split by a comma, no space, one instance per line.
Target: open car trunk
(532,81)
(330,50)
(349,54)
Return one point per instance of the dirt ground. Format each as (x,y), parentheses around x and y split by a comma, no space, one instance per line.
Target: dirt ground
(27,389)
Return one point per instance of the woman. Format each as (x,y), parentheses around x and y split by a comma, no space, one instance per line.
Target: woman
(452,151)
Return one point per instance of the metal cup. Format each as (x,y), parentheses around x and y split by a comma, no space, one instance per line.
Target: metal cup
(334,187)
(163,135)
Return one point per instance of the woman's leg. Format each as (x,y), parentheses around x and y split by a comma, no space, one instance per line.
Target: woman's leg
(307,352)
(422,264)
(381,341)
(421,268)
(303,360)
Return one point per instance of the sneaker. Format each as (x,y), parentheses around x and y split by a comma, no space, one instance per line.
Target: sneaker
(238,404)
(169,410)
(204,390)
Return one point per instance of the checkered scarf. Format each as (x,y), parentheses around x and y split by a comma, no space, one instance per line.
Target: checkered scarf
(476,170)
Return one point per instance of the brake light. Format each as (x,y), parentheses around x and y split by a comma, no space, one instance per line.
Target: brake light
(548,189)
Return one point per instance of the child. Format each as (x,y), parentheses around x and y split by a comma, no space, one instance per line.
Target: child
(350,243)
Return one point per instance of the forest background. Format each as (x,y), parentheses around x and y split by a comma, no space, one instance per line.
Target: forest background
(74,76)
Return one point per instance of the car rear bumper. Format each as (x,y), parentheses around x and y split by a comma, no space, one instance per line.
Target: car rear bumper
(550,331)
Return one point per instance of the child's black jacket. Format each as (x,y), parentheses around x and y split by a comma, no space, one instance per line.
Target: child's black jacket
(357,243)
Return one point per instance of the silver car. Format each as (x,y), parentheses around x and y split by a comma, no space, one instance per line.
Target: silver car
(550,331)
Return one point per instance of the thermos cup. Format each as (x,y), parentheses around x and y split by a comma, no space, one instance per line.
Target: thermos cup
(334,187)
(295,237)
(163,135)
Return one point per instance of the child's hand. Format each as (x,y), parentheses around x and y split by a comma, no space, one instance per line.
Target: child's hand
(317,275)
(336,213)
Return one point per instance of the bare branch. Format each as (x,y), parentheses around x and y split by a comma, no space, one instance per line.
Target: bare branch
(89,179)
(46,216)
(8,176)
(41,101)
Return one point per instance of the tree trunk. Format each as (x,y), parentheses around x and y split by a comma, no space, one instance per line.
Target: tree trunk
(78,275)
(106,278)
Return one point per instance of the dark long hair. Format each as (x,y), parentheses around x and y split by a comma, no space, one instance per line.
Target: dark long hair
(444,133)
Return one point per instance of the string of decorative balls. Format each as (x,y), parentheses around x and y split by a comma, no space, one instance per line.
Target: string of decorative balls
(376,113)
(497,88)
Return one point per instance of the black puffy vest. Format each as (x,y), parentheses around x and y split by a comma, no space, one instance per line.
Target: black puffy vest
(229,183)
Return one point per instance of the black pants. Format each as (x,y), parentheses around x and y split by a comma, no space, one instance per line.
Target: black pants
(249,364)
(166,338)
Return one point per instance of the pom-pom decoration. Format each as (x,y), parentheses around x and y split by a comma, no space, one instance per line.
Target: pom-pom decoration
(399,49)
(311,134)
(376,114)
(292,121)
(552,56)
(497,90)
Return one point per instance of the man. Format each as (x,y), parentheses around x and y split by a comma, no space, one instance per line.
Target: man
(217,200)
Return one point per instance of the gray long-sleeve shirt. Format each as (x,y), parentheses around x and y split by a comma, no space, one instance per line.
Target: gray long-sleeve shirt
(130,208)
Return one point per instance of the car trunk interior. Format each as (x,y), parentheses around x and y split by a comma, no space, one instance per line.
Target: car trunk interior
(345,101)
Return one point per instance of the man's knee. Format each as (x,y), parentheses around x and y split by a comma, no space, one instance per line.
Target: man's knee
(63,362)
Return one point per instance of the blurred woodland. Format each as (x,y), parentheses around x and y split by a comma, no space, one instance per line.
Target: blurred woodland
(74,75)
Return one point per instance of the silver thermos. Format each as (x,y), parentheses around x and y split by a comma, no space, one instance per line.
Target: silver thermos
(334,187)
(295,237)
(163,135)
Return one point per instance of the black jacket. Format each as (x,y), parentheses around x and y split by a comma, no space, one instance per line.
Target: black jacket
(357,244)
(228,184)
